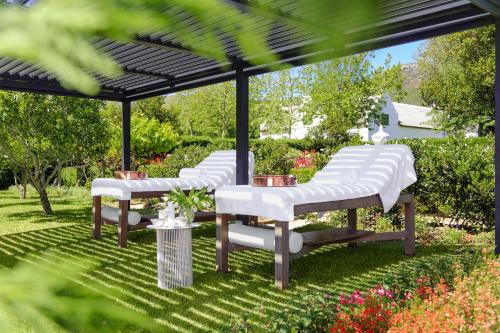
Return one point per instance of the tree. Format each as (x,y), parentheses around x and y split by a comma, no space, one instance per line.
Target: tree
(156,108)
(458,79)
(281,101)
(40,134)
(347,92)
(209,110)
(148,136)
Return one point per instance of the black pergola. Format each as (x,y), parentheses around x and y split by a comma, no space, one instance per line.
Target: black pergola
(159,64)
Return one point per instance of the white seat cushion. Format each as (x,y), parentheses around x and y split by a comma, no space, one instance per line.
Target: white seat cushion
(111,213)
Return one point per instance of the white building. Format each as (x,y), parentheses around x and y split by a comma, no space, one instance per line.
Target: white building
(400,121)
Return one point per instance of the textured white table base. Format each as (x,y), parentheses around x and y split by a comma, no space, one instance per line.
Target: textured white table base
(175,261)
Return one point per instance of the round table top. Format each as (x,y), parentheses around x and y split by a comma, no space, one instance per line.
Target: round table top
(169,227)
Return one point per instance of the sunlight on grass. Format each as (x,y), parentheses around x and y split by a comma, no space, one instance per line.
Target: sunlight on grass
(128,276)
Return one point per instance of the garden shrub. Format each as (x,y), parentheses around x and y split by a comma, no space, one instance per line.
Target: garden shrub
(69,176)
(473,306)
(272,158)
(320,312)
(303,174)
(182,157)
(455,178)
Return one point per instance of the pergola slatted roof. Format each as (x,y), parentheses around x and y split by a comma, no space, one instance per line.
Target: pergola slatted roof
(159,63)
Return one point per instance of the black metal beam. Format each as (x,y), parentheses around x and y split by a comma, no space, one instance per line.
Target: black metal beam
(492,6)
(497,136)
(183,85)
(297,58)
(126,135)
(241,127)
(49,89)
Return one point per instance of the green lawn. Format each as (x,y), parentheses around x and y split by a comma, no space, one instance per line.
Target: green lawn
(128,276)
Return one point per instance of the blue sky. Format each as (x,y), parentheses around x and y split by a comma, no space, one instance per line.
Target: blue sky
(402,53)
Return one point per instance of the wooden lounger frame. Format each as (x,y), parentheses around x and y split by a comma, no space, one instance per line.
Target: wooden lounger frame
(316,239)
(123,208)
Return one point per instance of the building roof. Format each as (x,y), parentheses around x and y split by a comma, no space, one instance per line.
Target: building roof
(159,63)
(414,115)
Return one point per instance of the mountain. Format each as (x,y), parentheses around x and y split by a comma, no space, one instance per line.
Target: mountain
(411,84)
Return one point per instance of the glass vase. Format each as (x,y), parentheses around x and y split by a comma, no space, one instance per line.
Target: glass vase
(188,214)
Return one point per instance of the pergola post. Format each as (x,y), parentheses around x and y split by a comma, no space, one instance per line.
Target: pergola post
(241,127)
(497,135)
(125,135)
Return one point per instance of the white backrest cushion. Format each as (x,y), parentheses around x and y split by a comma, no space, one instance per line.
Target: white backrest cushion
(222,163)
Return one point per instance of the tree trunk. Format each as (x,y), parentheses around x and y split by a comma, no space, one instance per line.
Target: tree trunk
(44,198)
(24,184)
(480,129)
(21,184)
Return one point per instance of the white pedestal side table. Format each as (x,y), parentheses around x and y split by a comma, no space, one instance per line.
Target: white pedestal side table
(174,255)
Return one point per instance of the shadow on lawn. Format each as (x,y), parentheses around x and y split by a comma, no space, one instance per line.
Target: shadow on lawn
(130,274)
(62,215)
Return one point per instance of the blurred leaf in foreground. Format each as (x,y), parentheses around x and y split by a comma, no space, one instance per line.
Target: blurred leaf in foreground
(45,294)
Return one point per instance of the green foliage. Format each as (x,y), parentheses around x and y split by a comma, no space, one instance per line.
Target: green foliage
(59,27)
(344,90)
(206,111)
(458,78)
(315,310)
(150,137)
(156,108)
(435,268)
(191,202)
(272,158)
(40,134)
(69,176)
(303,174)
(455,178)
(43,294)
(182,157)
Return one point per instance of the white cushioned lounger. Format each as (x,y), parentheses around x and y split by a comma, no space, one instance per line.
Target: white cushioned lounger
(354,172)
(218,169)
(356,177)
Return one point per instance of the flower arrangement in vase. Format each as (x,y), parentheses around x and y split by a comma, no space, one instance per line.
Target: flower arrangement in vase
(189,203)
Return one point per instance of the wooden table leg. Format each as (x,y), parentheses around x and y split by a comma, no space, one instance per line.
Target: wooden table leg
(123,222)
(222,243)
(410,228)
(352,223)
(96,217)
(281,255)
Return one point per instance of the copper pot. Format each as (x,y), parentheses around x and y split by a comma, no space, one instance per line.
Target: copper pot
(274,181)
(131,175)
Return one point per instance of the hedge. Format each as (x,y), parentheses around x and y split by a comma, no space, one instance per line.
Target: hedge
(298,144)
(455,179)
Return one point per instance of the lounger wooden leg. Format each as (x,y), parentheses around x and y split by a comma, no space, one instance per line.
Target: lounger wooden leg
(410,228)
(222,243)
(123,222)
(96,217)
(281,255)
(352,223)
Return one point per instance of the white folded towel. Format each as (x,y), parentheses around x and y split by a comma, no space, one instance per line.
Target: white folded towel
(191,173)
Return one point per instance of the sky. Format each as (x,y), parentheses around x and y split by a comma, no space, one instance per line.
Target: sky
(402,53)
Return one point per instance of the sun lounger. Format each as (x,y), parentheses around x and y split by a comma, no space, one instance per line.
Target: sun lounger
(217,170)
(356,177)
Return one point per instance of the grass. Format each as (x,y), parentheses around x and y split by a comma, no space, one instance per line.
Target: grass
(128,276)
